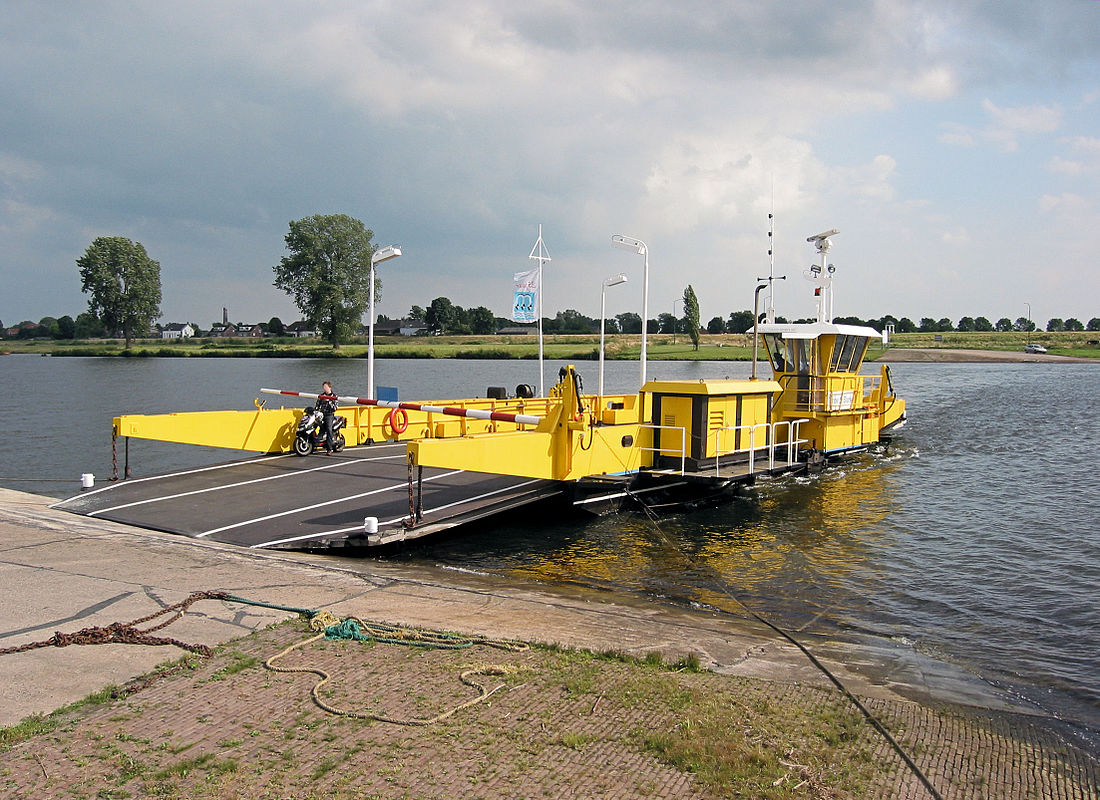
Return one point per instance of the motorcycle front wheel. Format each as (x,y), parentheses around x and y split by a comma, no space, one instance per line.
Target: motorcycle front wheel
(302,446)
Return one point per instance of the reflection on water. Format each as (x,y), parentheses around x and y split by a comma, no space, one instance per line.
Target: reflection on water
(792,545)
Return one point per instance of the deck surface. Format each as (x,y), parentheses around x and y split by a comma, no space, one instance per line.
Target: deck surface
(286,501)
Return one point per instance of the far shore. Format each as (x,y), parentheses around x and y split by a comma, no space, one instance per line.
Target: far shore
(906,347)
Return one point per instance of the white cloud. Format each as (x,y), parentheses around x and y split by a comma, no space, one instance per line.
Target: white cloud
(1004,127)
(870,181)
(1085,157)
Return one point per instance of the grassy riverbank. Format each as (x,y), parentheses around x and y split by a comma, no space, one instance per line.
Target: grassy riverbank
(661,347)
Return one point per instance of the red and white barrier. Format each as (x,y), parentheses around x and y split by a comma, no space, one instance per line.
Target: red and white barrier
(452,411)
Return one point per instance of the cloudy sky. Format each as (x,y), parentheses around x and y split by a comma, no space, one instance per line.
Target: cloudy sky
(954,143)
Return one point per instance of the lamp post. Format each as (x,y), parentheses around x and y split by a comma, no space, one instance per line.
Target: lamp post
(379,255)
(612,280)
(1028,323)
(639,247)
(676,319)
(756,324)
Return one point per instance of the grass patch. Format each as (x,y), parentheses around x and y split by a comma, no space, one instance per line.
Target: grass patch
(38,724)
(742,752)
(238,663)
(206,762)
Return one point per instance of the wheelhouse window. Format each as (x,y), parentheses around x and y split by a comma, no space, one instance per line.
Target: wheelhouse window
(777,352)
(848,353)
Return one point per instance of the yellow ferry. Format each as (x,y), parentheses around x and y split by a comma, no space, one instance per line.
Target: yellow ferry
(461,460)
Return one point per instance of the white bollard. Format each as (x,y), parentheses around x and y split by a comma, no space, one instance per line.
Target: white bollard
(87,480)
(370,524)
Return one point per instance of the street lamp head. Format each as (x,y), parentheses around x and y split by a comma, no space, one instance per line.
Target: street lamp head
(615,280)
(385,254)
(629,243)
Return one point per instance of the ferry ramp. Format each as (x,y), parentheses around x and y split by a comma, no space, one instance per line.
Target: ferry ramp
(317,502)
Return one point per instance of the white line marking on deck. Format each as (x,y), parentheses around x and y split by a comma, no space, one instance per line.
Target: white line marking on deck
(322,505)
(338,531)
(296,473)
(131,481)
(230,465)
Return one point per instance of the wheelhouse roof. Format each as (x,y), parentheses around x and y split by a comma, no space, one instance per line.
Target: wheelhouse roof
(813,330)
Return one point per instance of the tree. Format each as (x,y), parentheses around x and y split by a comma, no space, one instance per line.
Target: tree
(966,325)
(629,322)
(667,323)
(416,313)
(88,326)
(48,328)
(480,320)
(276,327)
(905,325)
(328,272)
(716,325)
(982,324)
(1023,324)
(928,325)
(739,322)
(1093,324)
(440,316)
(1074,324)
(124,283)
(691,315)
(66,327)
(1004,324)
(1056,324)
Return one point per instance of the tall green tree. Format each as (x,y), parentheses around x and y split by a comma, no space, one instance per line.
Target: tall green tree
(739,322)
(691,315)
(327,273)
(480,320)
(124,284)
(441,316)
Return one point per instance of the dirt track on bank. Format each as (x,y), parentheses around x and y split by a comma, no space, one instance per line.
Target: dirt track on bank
(946,355)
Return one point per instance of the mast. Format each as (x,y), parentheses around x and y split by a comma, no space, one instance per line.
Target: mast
(542,255)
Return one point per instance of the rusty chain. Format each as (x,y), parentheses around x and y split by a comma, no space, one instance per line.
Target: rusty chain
(128,632)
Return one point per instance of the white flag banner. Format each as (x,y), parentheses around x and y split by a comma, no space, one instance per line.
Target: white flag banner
(525,296)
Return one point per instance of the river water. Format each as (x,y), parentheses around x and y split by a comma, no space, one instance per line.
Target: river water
(973,539)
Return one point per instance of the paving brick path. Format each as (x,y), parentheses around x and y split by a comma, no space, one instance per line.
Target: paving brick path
(563,726)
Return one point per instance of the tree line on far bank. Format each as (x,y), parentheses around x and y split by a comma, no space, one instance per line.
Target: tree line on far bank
(327,274)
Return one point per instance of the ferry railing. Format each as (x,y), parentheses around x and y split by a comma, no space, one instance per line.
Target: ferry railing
(659,450)
(751,449)
(771,433)
(833,394)
(792,442)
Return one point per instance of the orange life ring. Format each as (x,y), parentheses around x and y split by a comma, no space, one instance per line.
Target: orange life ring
(398,425)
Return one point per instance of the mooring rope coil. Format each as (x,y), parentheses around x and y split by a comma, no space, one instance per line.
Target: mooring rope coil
(329,626)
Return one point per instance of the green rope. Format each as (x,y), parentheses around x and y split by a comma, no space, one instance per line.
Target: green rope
(356,630)
(305,612)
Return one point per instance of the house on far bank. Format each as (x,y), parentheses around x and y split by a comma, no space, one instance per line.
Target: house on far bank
(389,327)
(249,332)
(223,330)
(413,327)
(302,330)
(177,330)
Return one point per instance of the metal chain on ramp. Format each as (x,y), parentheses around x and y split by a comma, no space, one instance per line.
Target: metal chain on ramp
(128,632)
(331,627)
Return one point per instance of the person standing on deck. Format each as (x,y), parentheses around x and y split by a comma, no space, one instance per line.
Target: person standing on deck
(326,404)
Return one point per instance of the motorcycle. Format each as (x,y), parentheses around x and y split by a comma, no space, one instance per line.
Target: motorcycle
(311,432)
